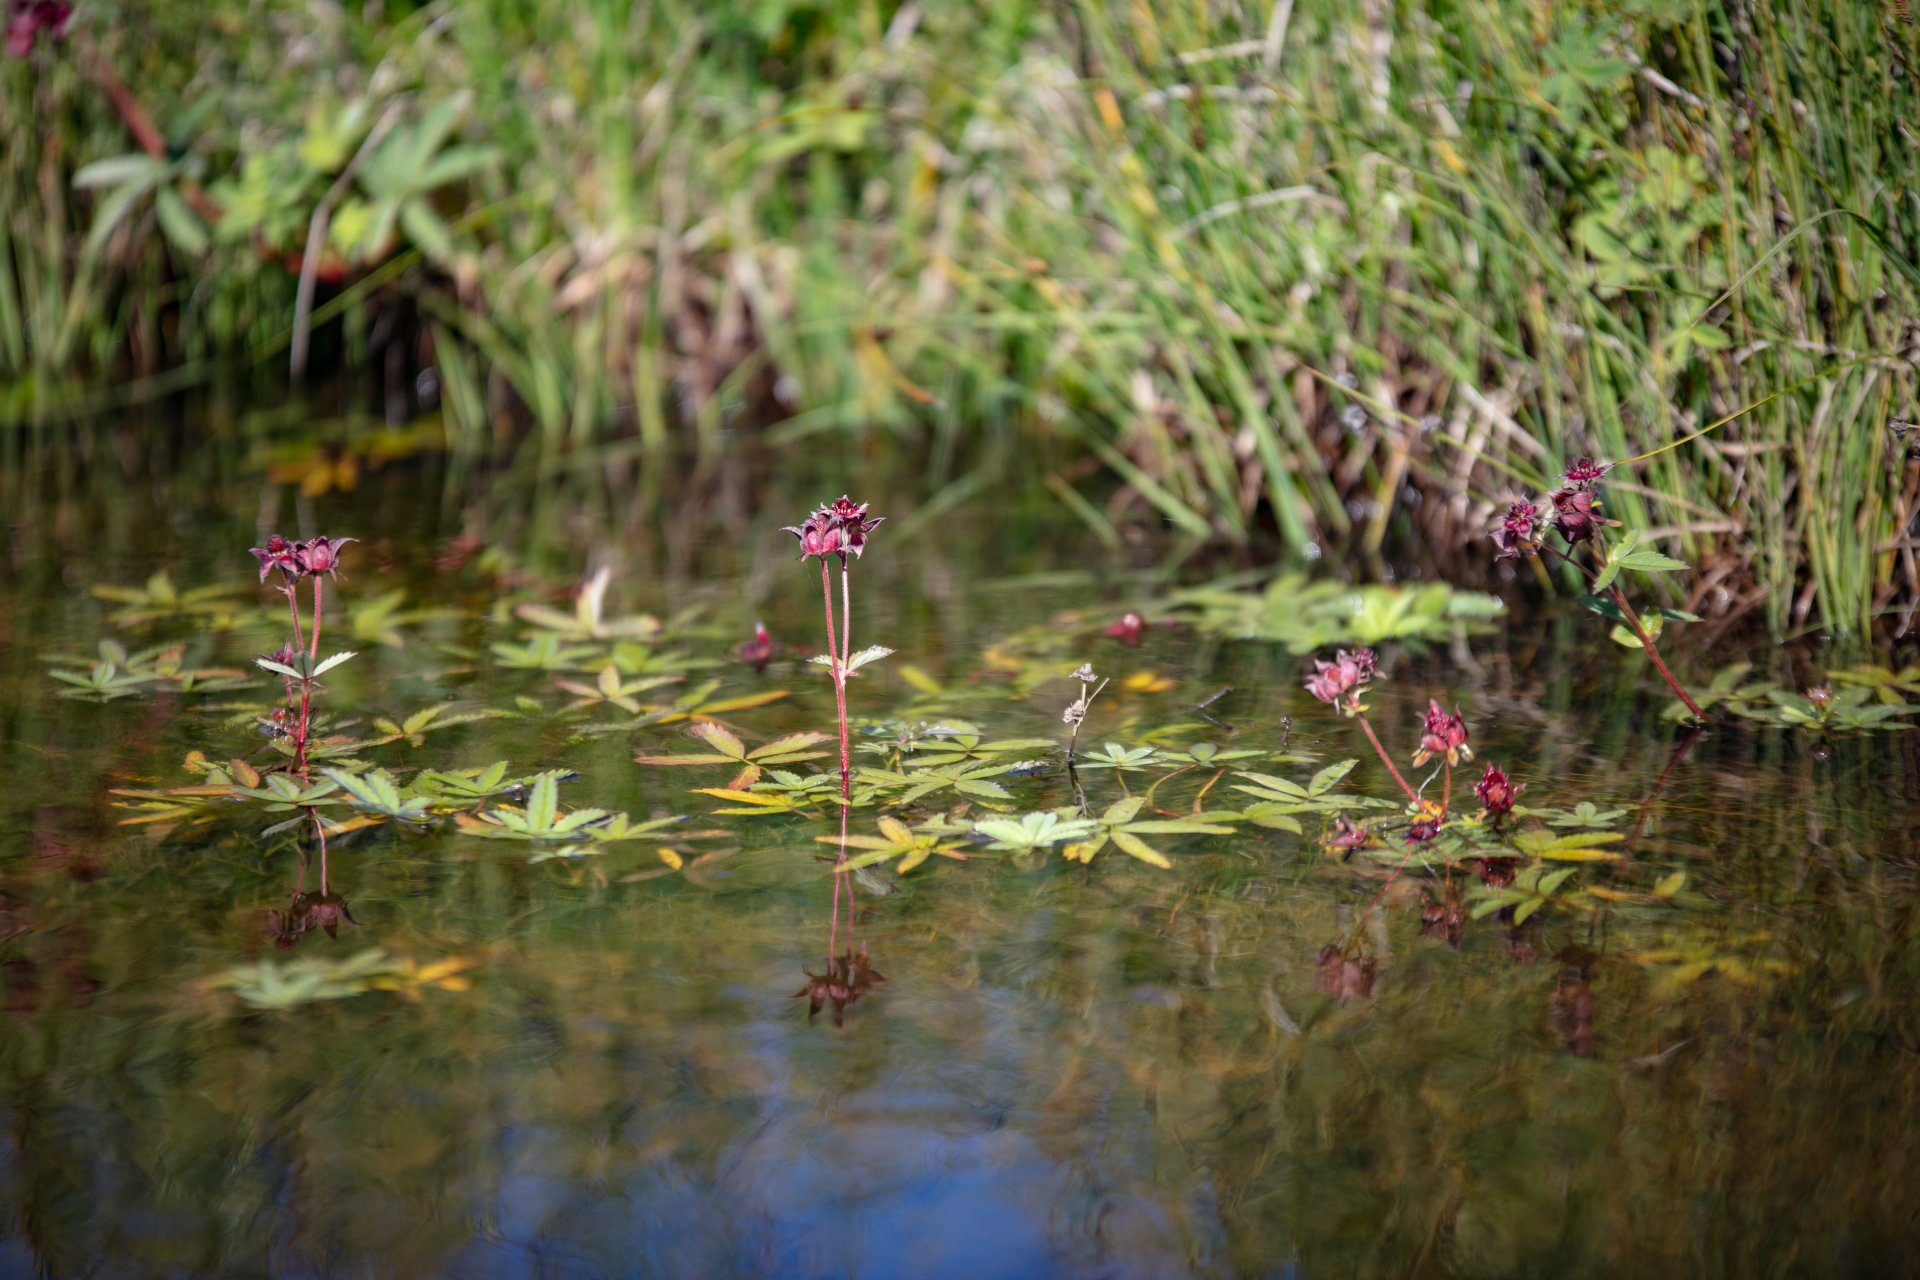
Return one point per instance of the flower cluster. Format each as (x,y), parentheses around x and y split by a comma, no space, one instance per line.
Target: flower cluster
(1497,792)
(835,529)
(1445,734)
(1570,509)
(1341,682)
(295,560)
(28,20)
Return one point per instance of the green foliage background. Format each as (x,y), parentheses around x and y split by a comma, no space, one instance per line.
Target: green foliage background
(1344,275)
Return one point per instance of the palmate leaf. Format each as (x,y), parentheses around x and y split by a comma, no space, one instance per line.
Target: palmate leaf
(1581,846)
(897,840)
(429,720)
(1034,830)
(1121,827)
(728,749)
(948,749)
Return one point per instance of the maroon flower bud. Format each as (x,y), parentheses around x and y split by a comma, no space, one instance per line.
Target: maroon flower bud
(1129,629)
(28,20)
(759,651)
(1497,792)
(278,554)
(1445,734)
(837,529)
(1421,830)
(320,555)
(1519,532)
(1573,513)
(1584,473)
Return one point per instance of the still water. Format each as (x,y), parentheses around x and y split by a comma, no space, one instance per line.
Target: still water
(597,1065)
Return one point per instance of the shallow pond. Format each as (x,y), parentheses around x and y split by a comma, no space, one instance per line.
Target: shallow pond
(447,1053)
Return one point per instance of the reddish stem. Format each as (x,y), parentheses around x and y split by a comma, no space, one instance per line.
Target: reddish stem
(1385,760)
(1653,653)
(1446,795)
(839,680)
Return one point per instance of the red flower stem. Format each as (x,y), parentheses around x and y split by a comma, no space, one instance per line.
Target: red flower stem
(1640,631)
(846,616)
(839,680)
(306,688)
(1446,794)
(1653,652)
(1385,760)
(314,652)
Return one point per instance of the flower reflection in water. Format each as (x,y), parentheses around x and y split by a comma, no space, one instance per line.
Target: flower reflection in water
(850,973)
(321,909)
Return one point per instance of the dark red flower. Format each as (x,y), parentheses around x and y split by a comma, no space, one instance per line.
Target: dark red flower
(1497,792)
(1422,829)
(1584,473)
(320,555)
(1129,629)
(28,20)
(759,651)
(1339,683)
(1573,513)
(1445,734)
(836,529)
(278,554)
(1519,531)
(1347,835)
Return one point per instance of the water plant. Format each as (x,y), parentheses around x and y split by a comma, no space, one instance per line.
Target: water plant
(298,663)
(839,529)
(1573,511)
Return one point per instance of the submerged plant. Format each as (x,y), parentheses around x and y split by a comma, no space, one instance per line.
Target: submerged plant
(839,529)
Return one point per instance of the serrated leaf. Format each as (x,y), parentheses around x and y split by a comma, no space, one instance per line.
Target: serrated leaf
(1140,849)
(330,663)
(720,738)
(279,669)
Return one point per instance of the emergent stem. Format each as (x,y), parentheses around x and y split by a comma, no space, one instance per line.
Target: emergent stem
(1640,631)
(1386,760)
(839,680)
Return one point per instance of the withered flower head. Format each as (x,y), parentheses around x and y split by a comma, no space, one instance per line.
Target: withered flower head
(1519,532)
(277,554)
(1445,734)
(321,554)
(1129,629)
(1573,513)
(759,651)
(1585,473)
(1496,791)
(1820,695)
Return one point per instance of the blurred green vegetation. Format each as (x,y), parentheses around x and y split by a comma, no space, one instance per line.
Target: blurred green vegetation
(1341,275)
